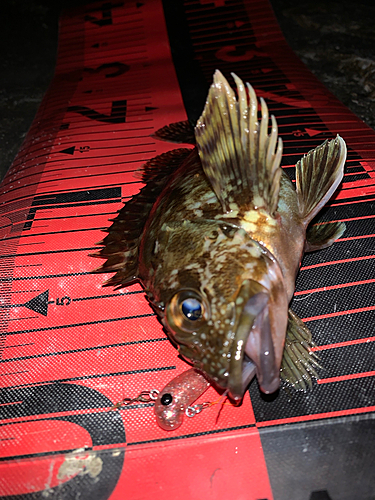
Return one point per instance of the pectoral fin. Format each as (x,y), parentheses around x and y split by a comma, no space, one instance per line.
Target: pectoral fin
(120,246)
(299,361)
(323,235)
(180,132)
(318,174)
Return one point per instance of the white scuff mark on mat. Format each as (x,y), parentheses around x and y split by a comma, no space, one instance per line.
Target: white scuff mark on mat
(304,297)
(46,492)
(80,462)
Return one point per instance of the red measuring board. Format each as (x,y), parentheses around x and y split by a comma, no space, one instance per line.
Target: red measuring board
(71,349)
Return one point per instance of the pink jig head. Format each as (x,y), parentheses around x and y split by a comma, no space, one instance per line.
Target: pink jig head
(177,396)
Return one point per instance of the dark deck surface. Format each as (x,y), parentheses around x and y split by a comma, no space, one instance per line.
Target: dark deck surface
(335,39)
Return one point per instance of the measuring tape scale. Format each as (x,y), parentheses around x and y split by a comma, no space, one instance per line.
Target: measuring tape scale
(90,156)
(62,328)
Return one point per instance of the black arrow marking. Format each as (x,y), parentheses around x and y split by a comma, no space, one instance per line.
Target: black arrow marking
(68,151)
(39,303)
(150,108)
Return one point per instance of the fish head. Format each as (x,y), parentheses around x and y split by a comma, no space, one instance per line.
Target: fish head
(225,304)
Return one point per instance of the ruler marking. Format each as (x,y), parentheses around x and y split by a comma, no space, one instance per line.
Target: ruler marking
(83,349)
(84,323)
(100,375)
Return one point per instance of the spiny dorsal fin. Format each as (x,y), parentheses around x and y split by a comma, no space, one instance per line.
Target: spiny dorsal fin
(124,235)
(318,175)
(238,156)
(180,132)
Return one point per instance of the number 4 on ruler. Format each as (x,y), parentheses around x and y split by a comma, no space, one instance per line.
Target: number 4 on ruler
(118,112)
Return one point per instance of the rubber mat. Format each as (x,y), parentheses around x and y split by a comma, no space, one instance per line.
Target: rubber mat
(71,349)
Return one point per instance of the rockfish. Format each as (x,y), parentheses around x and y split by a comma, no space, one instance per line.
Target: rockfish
(216,238)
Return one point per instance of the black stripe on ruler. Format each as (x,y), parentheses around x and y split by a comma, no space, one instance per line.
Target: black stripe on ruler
(18,345)
(348,360)
(83,349)
(79,216)
(117,155)
(191,79)
(63,190)
(97,375)
(106,195)
(119,137)
(61,180)
(341,253)
(160,440)
(85,323)
(44,454)
(54,232)
(109,296)
(351,201)
(69,153)
(43,277)
(71,205)
(195,434)
(107,164)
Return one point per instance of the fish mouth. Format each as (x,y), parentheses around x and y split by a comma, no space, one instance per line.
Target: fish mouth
(252,352)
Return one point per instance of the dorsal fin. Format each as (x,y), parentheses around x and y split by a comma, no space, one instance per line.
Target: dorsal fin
(124,235)
(238,156)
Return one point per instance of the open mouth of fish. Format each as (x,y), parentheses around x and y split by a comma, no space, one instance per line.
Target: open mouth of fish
(252,352)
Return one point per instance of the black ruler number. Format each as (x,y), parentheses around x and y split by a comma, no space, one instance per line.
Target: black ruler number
(117,115)
(106,14)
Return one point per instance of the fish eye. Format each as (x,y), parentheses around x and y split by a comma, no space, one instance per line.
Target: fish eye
(213,234)
(191,308)
(186,311)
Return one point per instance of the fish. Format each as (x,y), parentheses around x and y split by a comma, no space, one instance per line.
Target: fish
(216,237)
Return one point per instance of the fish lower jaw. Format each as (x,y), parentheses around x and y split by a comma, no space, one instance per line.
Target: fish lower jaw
(236,391)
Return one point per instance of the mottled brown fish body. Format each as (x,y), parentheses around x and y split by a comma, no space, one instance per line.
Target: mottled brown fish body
(220,239)
(177,252)
(284,235)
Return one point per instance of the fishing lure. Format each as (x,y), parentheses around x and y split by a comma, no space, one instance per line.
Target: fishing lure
(176,399)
